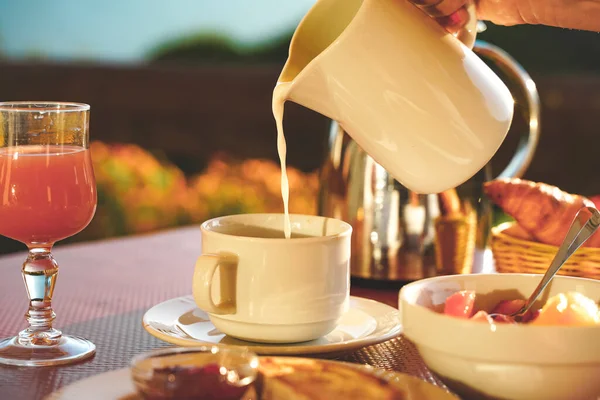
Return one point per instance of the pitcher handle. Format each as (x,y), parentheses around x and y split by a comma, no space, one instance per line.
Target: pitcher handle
(529,140)
(468,33)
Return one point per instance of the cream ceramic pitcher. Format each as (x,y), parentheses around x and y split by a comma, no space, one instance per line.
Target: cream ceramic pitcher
(410,94)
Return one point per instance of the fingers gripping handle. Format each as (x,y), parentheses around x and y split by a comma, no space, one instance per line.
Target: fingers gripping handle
(468,33)
(204,272)
(445,8)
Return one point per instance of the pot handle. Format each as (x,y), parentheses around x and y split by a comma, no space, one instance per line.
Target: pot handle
(529,140)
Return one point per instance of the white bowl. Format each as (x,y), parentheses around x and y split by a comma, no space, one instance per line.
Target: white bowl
(503,361)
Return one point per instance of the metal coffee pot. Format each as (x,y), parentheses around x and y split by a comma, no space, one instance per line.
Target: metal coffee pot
(400,235)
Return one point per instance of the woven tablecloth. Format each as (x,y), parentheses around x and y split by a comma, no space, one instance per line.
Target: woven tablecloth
(102,292)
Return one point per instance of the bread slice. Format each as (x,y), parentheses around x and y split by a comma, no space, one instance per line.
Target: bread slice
(282,378)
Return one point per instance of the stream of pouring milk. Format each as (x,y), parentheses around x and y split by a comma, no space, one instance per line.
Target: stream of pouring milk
(279,96)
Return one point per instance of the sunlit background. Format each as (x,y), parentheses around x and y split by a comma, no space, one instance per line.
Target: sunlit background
(139,31)
(180,94)
(133,31)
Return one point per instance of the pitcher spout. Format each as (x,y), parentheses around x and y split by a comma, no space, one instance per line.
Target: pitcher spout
(311,92)
(303,79)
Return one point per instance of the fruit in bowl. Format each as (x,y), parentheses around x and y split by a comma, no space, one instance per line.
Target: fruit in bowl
(555,358)
(567,309)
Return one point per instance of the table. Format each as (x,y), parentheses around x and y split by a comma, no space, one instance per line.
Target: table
(104,288)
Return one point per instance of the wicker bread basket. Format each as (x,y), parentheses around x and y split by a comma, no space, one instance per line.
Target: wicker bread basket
(512,254)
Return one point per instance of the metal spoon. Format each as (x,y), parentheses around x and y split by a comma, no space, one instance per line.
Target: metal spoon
(584,225)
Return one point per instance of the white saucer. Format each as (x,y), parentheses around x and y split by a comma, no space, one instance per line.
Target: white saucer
(179,321)
(112,385)
(117,385)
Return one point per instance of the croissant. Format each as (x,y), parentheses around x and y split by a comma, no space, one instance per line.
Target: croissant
(543,210)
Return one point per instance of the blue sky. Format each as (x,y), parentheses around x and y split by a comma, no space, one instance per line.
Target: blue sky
(124,31)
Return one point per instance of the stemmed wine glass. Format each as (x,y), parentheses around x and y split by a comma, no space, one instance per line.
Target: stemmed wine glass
(47,193)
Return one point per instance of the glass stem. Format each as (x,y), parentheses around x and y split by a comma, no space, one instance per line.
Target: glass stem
(39,274)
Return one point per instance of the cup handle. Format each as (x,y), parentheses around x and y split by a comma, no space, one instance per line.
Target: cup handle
(204,271)
(468,33)
(529,139)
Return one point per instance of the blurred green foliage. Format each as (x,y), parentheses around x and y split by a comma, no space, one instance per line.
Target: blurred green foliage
(540,49)
(211,48)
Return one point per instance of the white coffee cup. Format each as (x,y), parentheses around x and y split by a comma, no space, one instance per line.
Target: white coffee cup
(258,286)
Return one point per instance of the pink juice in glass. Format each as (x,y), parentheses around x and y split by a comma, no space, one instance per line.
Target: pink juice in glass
(47,193)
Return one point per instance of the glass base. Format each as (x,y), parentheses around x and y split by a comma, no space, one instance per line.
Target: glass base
(68,349)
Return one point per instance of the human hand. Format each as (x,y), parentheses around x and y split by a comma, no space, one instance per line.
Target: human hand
(451,14)
(572,14)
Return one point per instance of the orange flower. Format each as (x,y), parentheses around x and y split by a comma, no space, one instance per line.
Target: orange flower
(140,193)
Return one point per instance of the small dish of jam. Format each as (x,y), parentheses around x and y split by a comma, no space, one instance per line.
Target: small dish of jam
(199,373)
